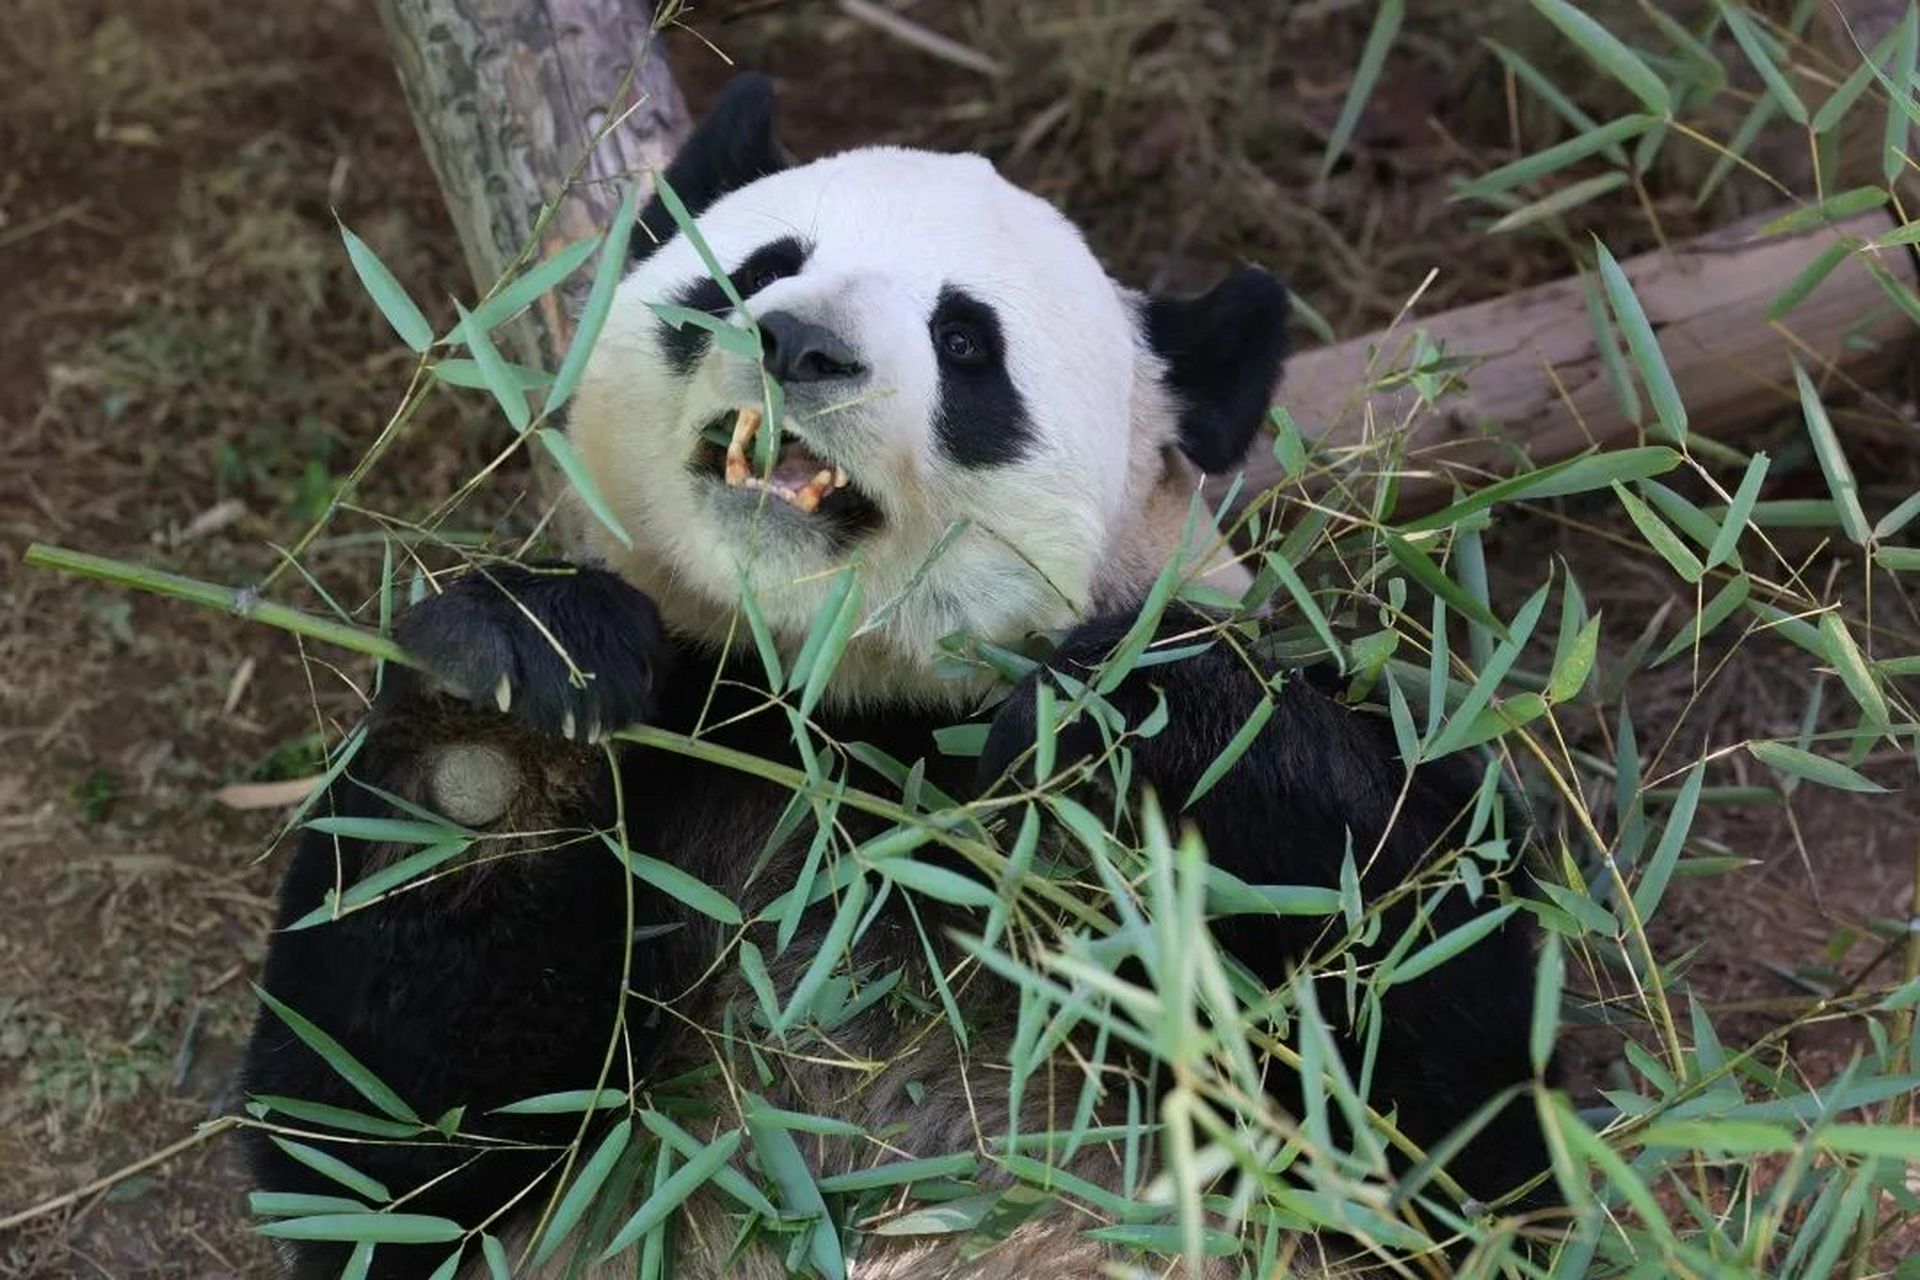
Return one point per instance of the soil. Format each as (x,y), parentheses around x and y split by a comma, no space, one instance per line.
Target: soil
(187,363)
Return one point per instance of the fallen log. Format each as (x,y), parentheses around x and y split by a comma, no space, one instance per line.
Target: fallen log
(1535,380)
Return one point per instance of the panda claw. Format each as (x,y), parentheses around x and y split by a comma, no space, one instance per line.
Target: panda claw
(503,694)
(567,726)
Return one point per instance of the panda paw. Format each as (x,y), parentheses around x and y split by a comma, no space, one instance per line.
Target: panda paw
(568,651)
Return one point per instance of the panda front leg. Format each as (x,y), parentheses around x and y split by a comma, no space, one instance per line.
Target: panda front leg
(498,977)
(1319,778)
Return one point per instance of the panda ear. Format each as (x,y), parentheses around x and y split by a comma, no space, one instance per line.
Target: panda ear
(732,146)
(1223,352)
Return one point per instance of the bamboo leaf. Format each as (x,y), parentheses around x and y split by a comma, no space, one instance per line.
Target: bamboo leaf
(573,1206)
(391,876)
(1898,559)
(937,882)
(1717,611)
(1450,944)
(566,1102)
(340,1118)
(1480,696)
(371,1228)
(593,315)
(1808,279)
(495,1255)
(726,335)
(1901,112)
(781,1160)
(562,451)
(1833,461)
(1841,100)
(1659,536)
(1309,608)
(333,1168)
(1748,38)
(294,1204)
(1386,24)
(1230,754)
(1548,980)
(1796,763)
(1608,53)
(461,372)
(1897,519)
(1429,575)
(1851,666)
(1557,157)
(493,371)
(344,1064)
(674,1192)
(725,1177)
(528,286)
(1645,348)
(1570,674)
(1738,510)
(1659,868)
(1567,198)
(1835,208)
(385,830)
(679,885)
(387,293)
(1581,474)
(1563,106)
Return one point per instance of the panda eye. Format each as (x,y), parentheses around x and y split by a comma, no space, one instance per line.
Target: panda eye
(761,278)
(960,344)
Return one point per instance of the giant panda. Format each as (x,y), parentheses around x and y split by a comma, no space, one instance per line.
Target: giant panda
(1004,444)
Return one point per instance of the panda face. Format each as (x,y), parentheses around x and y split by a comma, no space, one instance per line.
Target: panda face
(976,417)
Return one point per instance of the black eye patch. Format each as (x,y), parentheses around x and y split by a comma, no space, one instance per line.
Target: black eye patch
(775,260)
(980,419)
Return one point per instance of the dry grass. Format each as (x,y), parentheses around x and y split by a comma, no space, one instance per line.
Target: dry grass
(185,363)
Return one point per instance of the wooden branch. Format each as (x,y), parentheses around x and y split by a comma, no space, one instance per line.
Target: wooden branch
(1536,378)
(509,96)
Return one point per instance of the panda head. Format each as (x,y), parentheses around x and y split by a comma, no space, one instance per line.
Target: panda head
(997,436)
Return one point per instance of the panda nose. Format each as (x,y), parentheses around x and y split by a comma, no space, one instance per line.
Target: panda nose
(797,350)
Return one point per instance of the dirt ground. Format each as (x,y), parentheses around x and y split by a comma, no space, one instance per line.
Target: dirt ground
(186,364)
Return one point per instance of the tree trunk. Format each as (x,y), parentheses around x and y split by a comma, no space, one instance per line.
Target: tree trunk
(509,96)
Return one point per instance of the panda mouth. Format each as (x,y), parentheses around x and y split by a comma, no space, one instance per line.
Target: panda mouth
(800,477)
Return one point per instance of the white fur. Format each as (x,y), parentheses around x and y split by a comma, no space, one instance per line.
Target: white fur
(890,228)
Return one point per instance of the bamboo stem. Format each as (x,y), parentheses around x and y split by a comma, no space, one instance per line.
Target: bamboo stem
(242,603)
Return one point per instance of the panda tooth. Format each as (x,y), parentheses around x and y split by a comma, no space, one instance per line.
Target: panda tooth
(745,425)
(839,478)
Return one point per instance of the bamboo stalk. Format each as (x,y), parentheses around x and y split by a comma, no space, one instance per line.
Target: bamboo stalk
(243,602)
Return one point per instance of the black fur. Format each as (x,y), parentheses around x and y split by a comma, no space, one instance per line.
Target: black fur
(500,983)
(981,420)
(1223,351)
(733,145)
(775,260)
